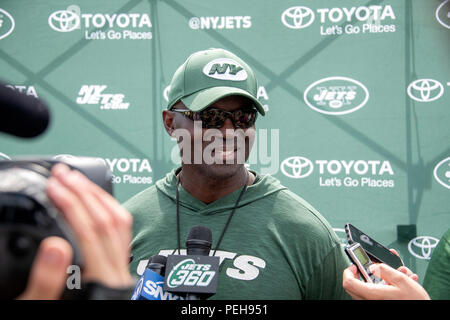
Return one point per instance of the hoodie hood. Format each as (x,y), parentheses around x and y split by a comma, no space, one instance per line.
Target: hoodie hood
(263,186)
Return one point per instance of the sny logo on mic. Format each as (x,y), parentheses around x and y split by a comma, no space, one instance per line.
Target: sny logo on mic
(150,287)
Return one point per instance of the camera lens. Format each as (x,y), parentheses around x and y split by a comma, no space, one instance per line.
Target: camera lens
(20,244)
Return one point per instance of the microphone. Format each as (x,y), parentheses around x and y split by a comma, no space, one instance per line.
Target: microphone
(21,115)
(198,242)
(195,274)
(150,285)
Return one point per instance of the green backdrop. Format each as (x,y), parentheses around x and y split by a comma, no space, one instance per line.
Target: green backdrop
(357,97)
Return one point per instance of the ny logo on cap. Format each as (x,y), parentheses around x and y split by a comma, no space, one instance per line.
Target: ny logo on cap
(225,69)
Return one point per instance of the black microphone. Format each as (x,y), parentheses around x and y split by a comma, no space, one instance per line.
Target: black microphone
(198,242)
(21,115)
(150,285)
(157,264)
(196,274)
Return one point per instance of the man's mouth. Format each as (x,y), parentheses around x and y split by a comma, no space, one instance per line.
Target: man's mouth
(226,154)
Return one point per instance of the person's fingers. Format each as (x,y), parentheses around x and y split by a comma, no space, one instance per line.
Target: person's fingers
(354,270)
(100,219)
(394,252)
(347,282)
(359,290)
(48,274)
(399,285)
(397,254)
(406,288)
(350,282)
(78,219)
(104,212)
(408,272)
(348,274)
(80,208)
(122,218)
(404,270)
(388,274)
(109,219)
(71,209)
(103,236)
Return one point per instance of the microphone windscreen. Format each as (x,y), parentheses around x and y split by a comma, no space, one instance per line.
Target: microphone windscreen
(21,115)
(158,259)
(200,233)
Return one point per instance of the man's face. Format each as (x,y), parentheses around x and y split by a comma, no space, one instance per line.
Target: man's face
(217,152)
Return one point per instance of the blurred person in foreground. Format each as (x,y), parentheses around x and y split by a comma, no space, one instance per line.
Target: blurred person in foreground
(437,277)
(103,231)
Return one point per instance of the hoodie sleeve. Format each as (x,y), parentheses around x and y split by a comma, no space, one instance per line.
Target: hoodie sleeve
(322,284)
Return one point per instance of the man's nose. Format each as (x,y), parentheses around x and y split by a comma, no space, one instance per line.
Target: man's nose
(228,124)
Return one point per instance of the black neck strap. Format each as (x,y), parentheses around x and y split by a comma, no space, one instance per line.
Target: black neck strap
(226,224)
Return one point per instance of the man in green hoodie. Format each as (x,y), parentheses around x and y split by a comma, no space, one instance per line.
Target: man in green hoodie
(272,244)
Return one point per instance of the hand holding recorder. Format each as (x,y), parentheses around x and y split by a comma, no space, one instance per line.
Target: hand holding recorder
(381,280)
(398,285)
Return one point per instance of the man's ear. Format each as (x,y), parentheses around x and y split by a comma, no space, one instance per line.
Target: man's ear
(168,117)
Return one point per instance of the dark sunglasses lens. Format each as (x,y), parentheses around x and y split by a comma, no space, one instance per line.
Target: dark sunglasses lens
(213,118)
(245,118)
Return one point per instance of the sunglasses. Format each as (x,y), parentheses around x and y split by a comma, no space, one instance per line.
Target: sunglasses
(215,118)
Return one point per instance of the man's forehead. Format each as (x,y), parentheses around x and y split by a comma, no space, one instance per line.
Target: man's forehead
(229,103)
(233,102)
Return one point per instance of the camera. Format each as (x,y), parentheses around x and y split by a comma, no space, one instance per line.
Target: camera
(27,215)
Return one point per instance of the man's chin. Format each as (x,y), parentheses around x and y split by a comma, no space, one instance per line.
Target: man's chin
(222,171)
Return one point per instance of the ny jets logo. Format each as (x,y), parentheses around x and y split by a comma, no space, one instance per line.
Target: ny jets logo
(225,69)
(94,94)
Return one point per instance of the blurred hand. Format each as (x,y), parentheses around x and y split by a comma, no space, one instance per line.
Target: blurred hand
(399,284)
(48,275)
(102,227)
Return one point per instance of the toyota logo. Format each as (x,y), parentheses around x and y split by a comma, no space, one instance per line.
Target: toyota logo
(297,167)
(421,247)
(297,17)
(6,24)
(64,21)
(425,90)
(442,14)
(442,172)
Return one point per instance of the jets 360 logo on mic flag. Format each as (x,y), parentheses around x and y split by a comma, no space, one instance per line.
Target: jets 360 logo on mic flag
(192,273)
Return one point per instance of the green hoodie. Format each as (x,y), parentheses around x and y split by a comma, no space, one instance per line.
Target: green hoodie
(276,247)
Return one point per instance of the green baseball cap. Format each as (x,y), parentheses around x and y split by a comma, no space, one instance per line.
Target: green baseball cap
(209,75)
